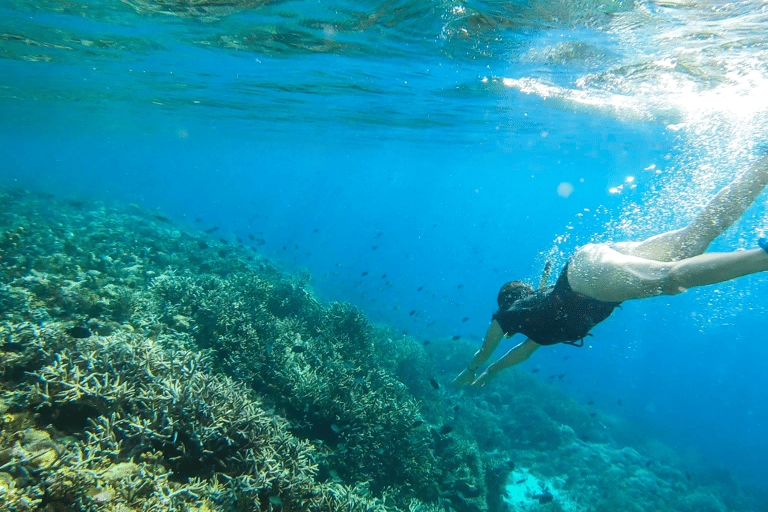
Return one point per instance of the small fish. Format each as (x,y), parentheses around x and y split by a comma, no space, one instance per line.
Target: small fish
(521,481)
(419,288)
(535,370)
(566,358)
(316,230)
(454,338)
(648,463)
(383,276)
(251,237)
(11,346)
(688,476)
(545,497)
(447,429)
(465,319)
(434,383)
(298,349)
(561,376)
(413,312)
(79,332)
(430,324)
(459,287)
(335,428)
(591,402)
(212,230)
(551,376)
(592,414)
(618,402)
(364,274)
(417,423)
(455,408)
(378,234)
(374,247)
(426,342)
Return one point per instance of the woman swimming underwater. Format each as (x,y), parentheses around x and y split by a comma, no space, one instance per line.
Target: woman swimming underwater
(599,277)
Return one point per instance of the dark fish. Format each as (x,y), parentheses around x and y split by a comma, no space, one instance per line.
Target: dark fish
(592,414)
(419,288)
(566,358)
(535,370)
(561,376)
(551,376)
(687,476)
(618,401)
(520,481)
(456,337)
(212,230)
(251,237)
(417,423)
(383,276)
(202,244)
(648,463)
(316,230)
(378,234)
(446,429)
(591,402)
(79,332)
(239,240)
(455,408)
(161,218)
(465,319)
(430,324)
(374,247)
(434,383)
(459,287)
(413,312)
(298,349)
(261,241)
(223,241)
(198,219)
(364,274)
(11,346)
(545,497)
(426,342)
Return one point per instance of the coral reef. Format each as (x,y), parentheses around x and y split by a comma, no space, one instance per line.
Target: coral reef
(148,366)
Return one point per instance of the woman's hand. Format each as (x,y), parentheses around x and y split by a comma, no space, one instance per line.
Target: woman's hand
(484,379)
(464,378)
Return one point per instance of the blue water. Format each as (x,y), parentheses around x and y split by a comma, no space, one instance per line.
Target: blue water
(451,146)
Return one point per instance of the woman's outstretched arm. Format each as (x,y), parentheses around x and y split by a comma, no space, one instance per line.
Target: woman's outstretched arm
(515,356)
(492,339)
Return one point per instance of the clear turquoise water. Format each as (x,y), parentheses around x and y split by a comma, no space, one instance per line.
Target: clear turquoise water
(447,145)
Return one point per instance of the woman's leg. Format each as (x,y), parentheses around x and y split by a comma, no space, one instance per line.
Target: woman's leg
(721,211)
(602,273)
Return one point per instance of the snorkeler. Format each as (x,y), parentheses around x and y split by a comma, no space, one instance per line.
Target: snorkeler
(599,277)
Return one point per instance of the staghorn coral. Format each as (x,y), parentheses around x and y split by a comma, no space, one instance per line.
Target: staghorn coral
(155,429)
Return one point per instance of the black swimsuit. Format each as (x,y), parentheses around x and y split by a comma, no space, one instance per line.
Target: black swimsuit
(555,314)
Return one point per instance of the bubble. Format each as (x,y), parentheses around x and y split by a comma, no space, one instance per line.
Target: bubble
(564,189)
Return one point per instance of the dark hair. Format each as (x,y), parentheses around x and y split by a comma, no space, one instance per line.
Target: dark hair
(512,291)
